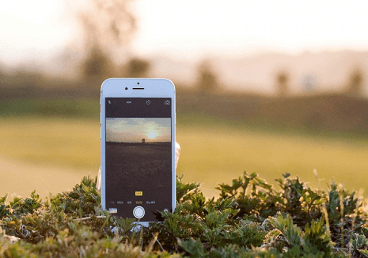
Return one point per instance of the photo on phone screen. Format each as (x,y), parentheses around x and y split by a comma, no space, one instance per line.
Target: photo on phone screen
(138,156)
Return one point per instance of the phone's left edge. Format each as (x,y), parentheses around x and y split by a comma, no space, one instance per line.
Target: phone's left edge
(102,145)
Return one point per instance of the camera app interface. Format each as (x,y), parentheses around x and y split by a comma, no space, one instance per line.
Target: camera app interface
(138,157)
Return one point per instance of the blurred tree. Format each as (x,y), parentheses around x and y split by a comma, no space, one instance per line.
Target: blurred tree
(207,78)
(282,79)
(2,76)
(107,28)
(356,83)
(137,68)
(26,78)
(97,65)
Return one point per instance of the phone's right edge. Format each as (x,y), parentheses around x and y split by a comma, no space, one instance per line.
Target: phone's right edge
(173,112)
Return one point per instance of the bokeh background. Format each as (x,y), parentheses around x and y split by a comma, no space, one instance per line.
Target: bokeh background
(270,87)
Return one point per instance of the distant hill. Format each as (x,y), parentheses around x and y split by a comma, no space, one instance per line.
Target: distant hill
(328,71)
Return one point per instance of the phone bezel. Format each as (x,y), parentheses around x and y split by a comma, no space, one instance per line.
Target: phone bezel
(153,88)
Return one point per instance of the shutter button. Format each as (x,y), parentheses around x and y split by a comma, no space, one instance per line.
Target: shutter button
(138,212)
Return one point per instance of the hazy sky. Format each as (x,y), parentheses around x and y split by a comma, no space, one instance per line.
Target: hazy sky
(36,30)
(136,129)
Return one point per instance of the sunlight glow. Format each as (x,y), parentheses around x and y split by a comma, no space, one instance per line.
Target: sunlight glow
(192,28)
(36,30)
(152,135)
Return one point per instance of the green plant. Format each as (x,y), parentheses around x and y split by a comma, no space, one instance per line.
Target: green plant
(250,218)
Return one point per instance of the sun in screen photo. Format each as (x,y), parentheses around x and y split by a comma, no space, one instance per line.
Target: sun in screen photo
(134,130)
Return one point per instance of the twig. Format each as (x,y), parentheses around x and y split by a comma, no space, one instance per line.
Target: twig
(162,249)
(87,218)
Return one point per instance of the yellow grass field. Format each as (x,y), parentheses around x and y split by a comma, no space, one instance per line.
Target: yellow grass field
(51,154)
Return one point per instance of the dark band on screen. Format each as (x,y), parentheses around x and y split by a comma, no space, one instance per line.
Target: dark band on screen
(138,107)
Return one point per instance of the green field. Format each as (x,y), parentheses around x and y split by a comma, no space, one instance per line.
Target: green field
(212,152)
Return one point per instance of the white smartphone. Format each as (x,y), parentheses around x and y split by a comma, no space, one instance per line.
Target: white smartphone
(138,176)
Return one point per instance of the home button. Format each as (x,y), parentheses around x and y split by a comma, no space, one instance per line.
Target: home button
(138,212)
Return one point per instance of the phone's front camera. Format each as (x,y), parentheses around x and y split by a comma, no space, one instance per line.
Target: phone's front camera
(126,88)
(138,83)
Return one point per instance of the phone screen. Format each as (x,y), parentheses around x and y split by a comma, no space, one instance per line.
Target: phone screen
(138,157)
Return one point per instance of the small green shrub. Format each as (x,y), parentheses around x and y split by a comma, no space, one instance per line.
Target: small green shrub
(250,218)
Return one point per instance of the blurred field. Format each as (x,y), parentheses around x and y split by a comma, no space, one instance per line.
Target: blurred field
(72,143)
(214,154)
(46,154)
(214,150)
